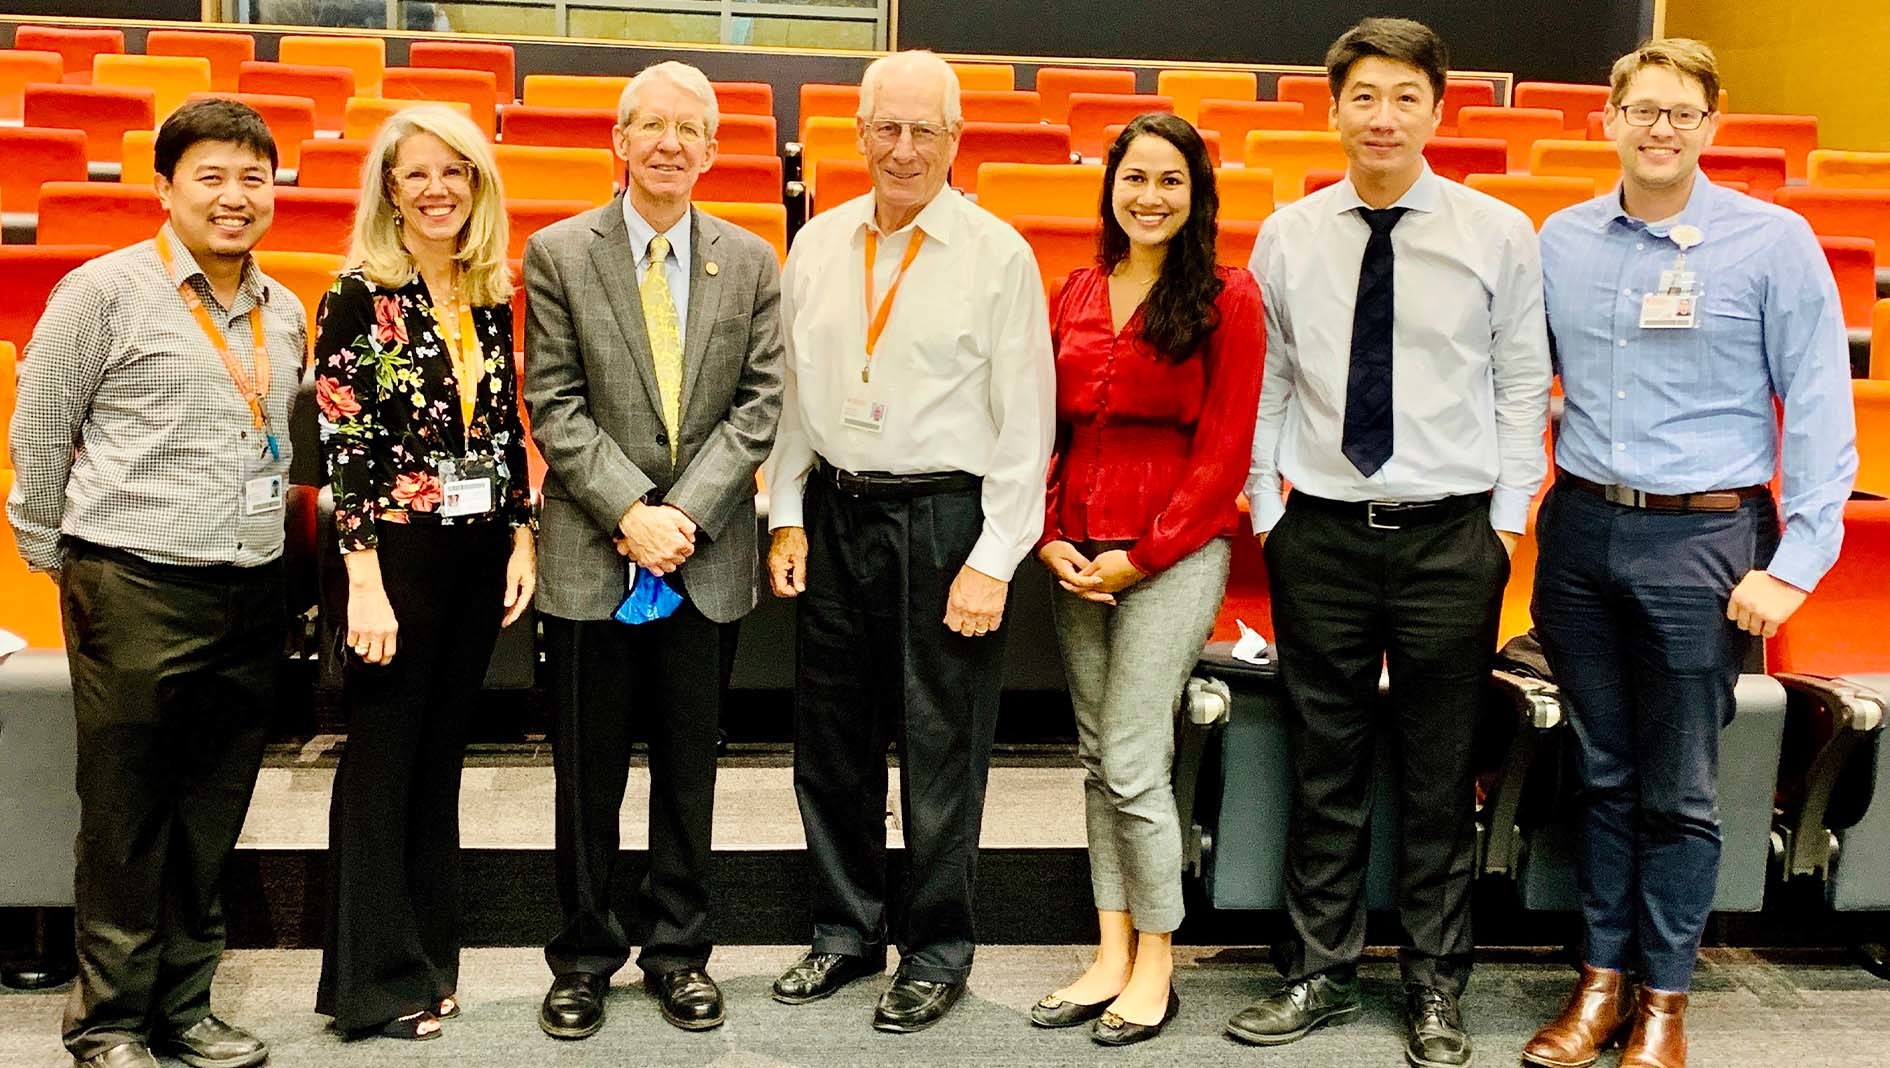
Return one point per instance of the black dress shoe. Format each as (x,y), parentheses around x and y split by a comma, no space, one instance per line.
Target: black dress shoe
(914,1004)
(688,997)
(819,974)
(1053,1011)
(1113,1030)
(1434,1037)
(1286,1015)
(128,1055)
(211,1043)
(574,1006)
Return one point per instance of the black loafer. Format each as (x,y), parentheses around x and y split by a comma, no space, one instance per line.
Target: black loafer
(688,997)
(574,1006)
(211,1043)
(914,1004)
(818,975)
(125,1055)
(1435,1036)
(1113,1030)
(1289,1013)
(1053,1011)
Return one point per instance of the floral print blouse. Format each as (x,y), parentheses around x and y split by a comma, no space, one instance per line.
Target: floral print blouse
(390,410)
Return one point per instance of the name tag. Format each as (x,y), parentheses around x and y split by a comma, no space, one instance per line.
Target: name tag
(864,412)
(466,488)
(1669,311)
(262,494)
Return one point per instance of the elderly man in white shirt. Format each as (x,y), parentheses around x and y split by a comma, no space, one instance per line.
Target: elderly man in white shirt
(906,484)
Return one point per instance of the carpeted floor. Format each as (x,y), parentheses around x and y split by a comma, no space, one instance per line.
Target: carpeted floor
(1749,1010)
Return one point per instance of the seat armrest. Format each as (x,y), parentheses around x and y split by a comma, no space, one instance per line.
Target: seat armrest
(1205,706)
(1537,713)
(1833,728)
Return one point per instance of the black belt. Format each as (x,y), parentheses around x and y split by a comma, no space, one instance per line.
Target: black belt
(1726,500)
(1393,515)
(884,484)
(219,572)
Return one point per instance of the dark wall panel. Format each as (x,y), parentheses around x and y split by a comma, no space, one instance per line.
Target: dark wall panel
(1570,40)
(168,10)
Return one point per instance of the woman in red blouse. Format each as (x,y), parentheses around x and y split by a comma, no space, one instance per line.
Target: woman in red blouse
(1159,354)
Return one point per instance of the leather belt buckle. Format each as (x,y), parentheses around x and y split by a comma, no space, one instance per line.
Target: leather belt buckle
(1625,495)
(1371,515)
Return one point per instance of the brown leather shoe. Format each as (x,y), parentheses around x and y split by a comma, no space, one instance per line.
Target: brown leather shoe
(1597,1013)
(1659,1038)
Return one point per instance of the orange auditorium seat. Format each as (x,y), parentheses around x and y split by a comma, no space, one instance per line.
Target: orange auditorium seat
(102,112)
(364,115)
(1852,170)
(519,312)
(766,221)
(1537,196)
(1056,84)
(76,46)
(1456,158)
(329,88)
(35,155)
(988,77)
(329,163)
(534,173)
(1003,142)
(1000,105)
(1237,238)
(1319,179)
(527,217)
(742,135)
(574,90)
(840,181)
(1840,631)
(1210,138)
(1870,400)
(365,56)
(1060,243)
(826,137)
(28,274)
(1519,128)
(1313,93)
(87,213)
(1291,155)
(1460,93)
(227,52)
(497,59)
(1797,135)
(138,158)
(1008,190)
(744,98)
(474,88)
(1853,263)
(172,78)
(530,124)
(291,121)
(741,179)
(1188,88)
(1234,119)
(1090,113)
(1880,340)
(1573,101)
(311,220)
(306,274)
(29,602)
(822,100)
(1577,159)
(1246,193)
(20,69)
(9,389)
(1762,169)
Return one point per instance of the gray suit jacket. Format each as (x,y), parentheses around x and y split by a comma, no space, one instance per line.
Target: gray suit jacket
(590,387)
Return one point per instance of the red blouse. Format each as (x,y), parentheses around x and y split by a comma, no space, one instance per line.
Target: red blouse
(1147,450)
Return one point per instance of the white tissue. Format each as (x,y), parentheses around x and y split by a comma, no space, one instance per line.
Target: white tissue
(10,643)
(1251,648)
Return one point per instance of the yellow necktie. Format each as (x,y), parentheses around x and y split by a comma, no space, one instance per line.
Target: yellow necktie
(659,321)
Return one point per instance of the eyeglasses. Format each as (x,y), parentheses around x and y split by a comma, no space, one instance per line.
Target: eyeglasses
(925,135)
(652,128)
(1681,118)
(458,176)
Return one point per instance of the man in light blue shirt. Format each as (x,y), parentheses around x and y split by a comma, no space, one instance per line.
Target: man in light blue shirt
(1680,312)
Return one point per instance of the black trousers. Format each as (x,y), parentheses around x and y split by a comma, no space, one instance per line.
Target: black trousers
(1348,601)
(392,943)
(875,662)
(173,677)
(609,682)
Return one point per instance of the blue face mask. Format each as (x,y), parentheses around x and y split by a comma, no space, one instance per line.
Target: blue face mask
(650,598)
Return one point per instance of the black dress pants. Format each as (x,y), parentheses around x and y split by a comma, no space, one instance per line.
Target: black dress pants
(1348,601)
(173,676)
(393,937)
(876,662)
(609,682)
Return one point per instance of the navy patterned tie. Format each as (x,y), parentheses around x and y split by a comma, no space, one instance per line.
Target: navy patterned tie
(1368,381)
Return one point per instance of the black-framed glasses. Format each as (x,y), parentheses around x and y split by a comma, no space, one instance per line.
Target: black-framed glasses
(1684,117)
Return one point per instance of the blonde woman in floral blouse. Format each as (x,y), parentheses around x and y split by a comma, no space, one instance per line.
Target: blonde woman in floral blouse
(426,456)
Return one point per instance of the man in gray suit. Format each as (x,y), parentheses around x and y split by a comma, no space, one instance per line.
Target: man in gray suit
(653,377)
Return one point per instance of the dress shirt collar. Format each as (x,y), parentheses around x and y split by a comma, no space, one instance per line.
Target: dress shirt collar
(939,217)
(184,268)
(1422,196)
(641,232)
(1699,207)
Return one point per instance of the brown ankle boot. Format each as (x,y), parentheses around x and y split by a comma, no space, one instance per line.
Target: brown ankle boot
(1594,1018)
(1659,1037)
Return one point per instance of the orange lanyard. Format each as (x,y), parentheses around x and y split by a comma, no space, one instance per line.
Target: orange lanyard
(462,346)
(254,391)
(876,315)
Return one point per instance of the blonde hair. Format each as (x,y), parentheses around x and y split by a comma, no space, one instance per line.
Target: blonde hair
(376,246)
(682,76)
(912,61)
(1683,55)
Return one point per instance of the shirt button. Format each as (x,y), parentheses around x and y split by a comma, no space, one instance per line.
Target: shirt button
(1638,246)
(1628,292)
(1621,393)
(1620,447)
(1622,343)
(239,545)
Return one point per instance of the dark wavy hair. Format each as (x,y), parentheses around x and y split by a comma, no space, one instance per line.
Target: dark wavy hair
(1179,311)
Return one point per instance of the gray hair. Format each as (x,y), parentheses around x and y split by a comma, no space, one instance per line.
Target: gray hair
(912,62)
(682,76)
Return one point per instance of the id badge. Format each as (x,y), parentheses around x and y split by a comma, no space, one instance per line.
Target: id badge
(863,411)
(467,487)
(1669,311)
(262,494)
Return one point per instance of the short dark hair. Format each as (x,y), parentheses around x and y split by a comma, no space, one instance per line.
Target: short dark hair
(1179,312)
(1399,39)
(211,120)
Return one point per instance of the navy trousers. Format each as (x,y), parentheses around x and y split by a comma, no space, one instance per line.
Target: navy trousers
(1630,605)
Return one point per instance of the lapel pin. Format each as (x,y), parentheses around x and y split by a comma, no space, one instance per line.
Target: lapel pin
(711,269)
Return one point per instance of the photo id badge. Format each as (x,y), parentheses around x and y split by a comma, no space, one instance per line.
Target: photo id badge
(466,487)
(863,411)
(1669,311)
(262,494)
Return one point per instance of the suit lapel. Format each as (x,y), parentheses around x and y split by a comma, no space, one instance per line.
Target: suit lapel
(616,266)
(705,297)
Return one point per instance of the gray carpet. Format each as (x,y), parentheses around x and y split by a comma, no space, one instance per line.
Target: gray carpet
(1750,1009)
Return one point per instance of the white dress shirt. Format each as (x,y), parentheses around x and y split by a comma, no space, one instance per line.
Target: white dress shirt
(675,268)
(964,365)
(1470,352)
